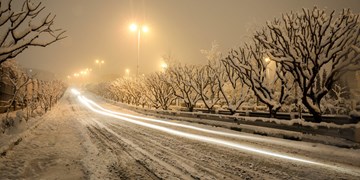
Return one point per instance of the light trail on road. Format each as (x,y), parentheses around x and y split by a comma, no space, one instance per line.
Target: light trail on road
(181,125)
(98,109)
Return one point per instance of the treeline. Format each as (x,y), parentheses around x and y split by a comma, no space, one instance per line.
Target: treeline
(294,63)
(20,90)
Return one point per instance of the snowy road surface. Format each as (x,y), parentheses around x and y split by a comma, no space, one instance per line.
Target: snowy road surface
(85,138)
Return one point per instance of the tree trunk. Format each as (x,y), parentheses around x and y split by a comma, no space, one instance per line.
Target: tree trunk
(316,115)
(272,113)
(191,108)
(232,112)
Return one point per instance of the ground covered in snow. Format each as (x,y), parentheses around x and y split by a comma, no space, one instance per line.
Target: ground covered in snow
(75,141)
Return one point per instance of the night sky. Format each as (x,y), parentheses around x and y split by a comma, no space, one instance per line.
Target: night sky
(99,29)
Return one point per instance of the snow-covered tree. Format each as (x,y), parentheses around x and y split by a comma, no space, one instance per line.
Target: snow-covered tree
(234,92)
(133,90)
(161,94)
(13,74)
(229,89)
(205,84)
(49,93)
(309,42)
(25,26)
(180,77)
(254,69)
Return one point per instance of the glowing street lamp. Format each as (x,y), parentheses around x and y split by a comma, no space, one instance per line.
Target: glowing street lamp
(134,27)
(127,72)
(267,61)
(164,66)
(99,62)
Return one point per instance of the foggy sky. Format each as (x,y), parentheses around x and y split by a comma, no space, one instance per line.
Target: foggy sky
(99,29)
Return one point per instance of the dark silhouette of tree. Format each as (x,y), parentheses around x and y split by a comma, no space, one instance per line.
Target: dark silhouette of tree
(25,26)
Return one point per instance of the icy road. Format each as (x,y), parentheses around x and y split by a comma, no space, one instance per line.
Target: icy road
(85,138)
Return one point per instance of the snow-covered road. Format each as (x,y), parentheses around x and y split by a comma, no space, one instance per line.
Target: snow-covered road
(84,137)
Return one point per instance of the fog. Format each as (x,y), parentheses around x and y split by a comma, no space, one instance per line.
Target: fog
(100,30)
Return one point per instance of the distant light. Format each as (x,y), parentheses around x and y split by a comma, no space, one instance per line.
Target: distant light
(164,65)
(102,62)
(127,71)
(74,91)
(133,27)
(145,29)
(97,61)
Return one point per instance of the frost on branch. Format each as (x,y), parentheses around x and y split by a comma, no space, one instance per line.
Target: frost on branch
(226,88)
(311,42)
(180,77)
(254,69)
(25,26)
(161,94)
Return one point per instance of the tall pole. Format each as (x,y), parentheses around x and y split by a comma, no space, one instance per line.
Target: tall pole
(134,28)
(138,53)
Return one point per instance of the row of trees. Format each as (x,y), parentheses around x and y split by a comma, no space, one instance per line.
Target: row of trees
(293,63)
(21,90)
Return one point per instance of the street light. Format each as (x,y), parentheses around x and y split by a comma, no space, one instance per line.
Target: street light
(99,62)
(268,61)
(164,66)
(127,72)
(134,27)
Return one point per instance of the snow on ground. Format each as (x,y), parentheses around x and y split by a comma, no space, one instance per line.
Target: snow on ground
(265,131)
(74,142)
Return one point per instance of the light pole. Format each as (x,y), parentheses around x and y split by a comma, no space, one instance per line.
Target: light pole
(134,27)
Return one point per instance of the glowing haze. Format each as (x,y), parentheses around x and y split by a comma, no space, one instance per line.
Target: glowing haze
(100,30)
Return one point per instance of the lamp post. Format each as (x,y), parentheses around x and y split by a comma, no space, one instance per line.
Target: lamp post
(134,27)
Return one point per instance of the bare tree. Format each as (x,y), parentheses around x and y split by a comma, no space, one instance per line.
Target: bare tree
(49,93)
(205,83)
(309,42)
(336,101)
(234,92)
(12,73)
(230,89)
(25,26)
(161,94)
(180,77)
(253,68)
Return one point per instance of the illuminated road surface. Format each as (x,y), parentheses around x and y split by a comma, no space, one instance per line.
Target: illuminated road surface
(191,132)
(109,142)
